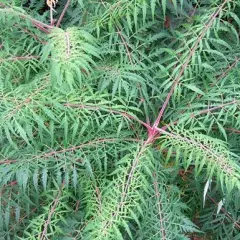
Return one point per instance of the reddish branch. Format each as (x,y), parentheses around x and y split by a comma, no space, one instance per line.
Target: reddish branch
(207,111)
(217,107)
(125,114)
(21,219)
(40,25)
(7,161)
(127,185)
(219,158)
(77,206)
(91,143)
(236,224)
(74,148)
(233,130)
(37,38)
(63,13)
(25,102)
(19,58)
(184,66)
(126,45)
(67,44)
(228,70)
(159,207)
(52,211)
(99,199)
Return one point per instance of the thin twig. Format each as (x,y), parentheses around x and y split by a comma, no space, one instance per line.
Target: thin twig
(18,58)
(159,207)
(53,208)
(21,220)
(208,111)
(91,143)
(219,158)
(216,107)
(63,13)
(99,199)
(127,184)
(184,66)
(51,16)
(231,130)
(125,114)
(229,68)
(25,102)
(67,38)
(126,46)
(34,36)
(7,161)
(225,212)
(42,26)
(74,148)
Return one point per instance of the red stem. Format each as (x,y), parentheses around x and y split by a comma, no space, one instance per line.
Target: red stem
(91,143)
(227,70)
(126,45)
(52,211)
(63,13)
(159,207)
(225,212)
(125,114)
(184,66)
(207,111)
(40,25)
(7,161)
(16,58)
(215,108)
(232,130)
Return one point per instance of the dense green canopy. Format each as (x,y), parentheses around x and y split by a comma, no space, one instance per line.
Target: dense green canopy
(119,119)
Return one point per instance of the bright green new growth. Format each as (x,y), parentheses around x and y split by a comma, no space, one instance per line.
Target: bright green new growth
(115,119)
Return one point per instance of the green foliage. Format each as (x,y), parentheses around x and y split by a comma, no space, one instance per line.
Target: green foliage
(119,119)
